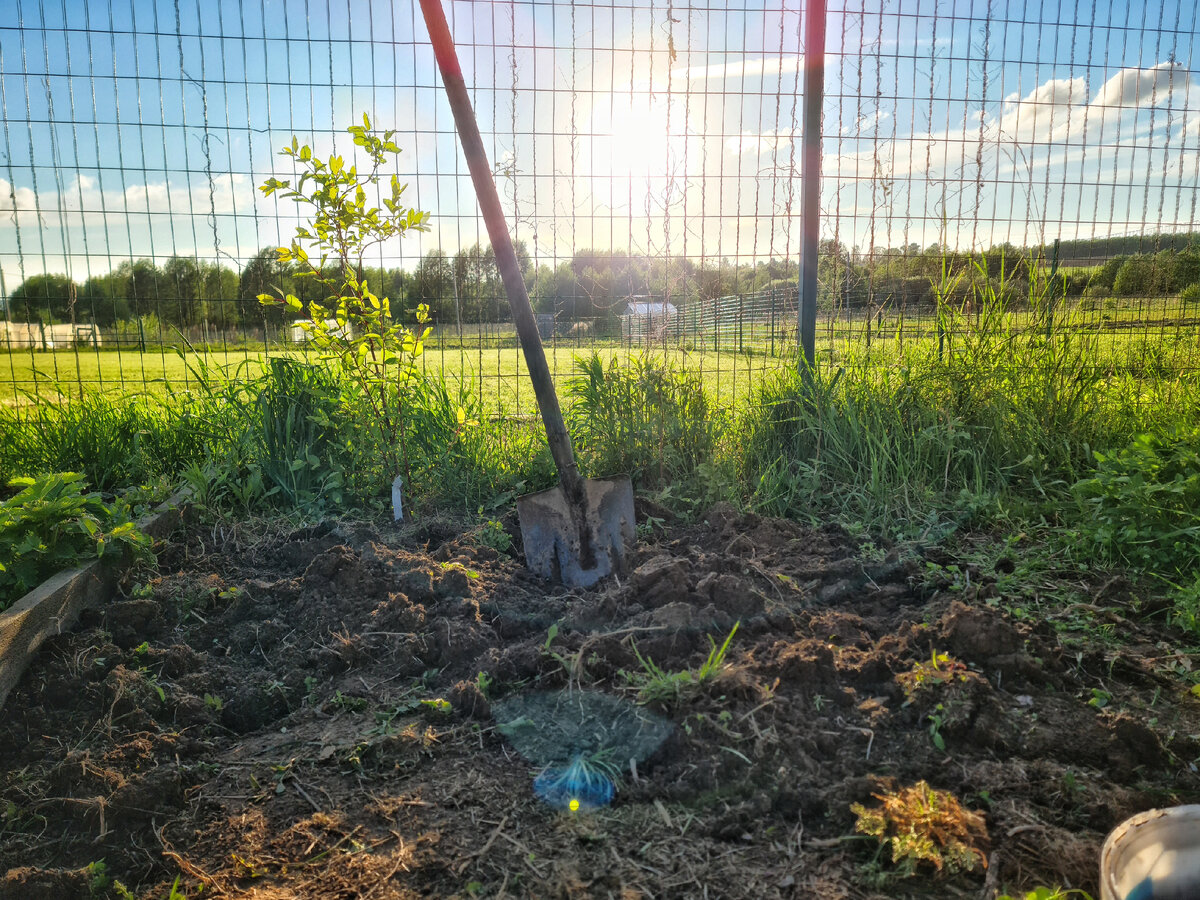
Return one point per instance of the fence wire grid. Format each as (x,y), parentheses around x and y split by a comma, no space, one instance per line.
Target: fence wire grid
(647,154)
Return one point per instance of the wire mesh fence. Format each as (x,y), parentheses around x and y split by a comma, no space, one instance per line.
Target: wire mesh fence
(648,157)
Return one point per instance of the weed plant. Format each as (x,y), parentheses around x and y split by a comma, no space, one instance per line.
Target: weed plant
(51,525)
(925,828)
(1141,507)
(656,685)
(301,452)
(461,458)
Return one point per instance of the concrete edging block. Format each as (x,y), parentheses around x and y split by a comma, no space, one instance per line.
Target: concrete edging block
(53,606)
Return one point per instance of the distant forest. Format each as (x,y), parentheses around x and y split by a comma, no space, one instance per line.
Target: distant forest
(465,287)
(1093,251)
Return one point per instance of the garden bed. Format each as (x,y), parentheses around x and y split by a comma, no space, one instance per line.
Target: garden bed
(252,721)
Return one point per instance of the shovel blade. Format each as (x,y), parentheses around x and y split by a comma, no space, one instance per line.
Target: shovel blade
(552,539)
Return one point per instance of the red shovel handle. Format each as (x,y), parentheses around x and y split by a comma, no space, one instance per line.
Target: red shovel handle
(506,257)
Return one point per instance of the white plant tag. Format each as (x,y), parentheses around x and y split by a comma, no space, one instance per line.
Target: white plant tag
(397,499)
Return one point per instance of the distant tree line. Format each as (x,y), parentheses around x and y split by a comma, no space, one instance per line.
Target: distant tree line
(465,287)
(910,274)
(1092,251)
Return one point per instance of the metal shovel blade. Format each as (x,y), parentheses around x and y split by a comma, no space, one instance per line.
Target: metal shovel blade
(553,541)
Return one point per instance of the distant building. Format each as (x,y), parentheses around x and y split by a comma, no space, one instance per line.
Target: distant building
(645,318)
(36,336)
(299,336)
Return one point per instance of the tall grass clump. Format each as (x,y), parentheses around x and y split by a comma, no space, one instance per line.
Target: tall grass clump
(461,458)
(116,441)
(294,434)
(302,442)
(642,417)
(1005,402)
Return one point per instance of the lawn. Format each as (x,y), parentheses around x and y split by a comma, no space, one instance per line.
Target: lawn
(499,374)
(1122,334)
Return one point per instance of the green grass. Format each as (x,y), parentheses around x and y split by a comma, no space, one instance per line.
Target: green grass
(27,376)
(497,377)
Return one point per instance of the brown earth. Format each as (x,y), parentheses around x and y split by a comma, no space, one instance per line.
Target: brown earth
(251,723)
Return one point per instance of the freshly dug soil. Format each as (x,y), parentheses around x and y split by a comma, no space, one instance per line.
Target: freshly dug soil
(263,720)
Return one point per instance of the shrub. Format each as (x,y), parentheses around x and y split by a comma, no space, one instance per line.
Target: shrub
(1187,267)
(355,328)
(1145,275)
(1134,277)
(1191,293)
(1076,283)
(1107,274)
(1141,508)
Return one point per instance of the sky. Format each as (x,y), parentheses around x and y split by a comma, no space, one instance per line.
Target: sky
(139,128)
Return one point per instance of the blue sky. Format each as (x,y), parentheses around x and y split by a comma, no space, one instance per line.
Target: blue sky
(141,127)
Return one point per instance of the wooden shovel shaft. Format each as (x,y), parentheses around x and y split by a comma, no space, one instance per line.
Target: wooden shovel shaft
(506,257)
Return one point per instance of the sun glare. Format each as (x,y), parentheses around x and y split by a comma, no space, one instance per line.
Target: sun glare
(631,143)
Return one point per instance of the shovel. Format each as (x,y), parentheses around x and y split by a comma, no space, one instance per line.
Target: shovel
(576,532)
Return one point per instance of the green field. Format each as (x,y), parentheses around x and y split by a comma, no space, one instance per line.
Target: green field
(498,375)
(1127,335)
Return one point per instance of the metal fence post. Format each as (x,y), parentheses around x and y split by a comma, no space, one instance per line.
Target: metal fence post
(1050,293)
(772,323)
(810,178)
(741,320)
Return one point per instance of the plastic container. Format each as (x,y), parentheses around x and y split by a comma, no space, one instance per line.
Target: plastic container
(1153,856)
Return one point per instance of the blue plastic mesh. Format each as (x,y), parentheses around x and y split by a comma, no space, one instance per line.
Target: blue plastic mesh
(578,786)
(580,739)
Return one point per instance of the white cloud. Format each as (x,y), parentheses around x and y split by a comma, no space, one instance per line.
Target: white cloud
(1054,112)
(759,142)
(17,206)
(745,68)
(226,194)
(1142,87)
(866,122)
(84,230)
(83,203)
(1191,128)
(1042,114)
